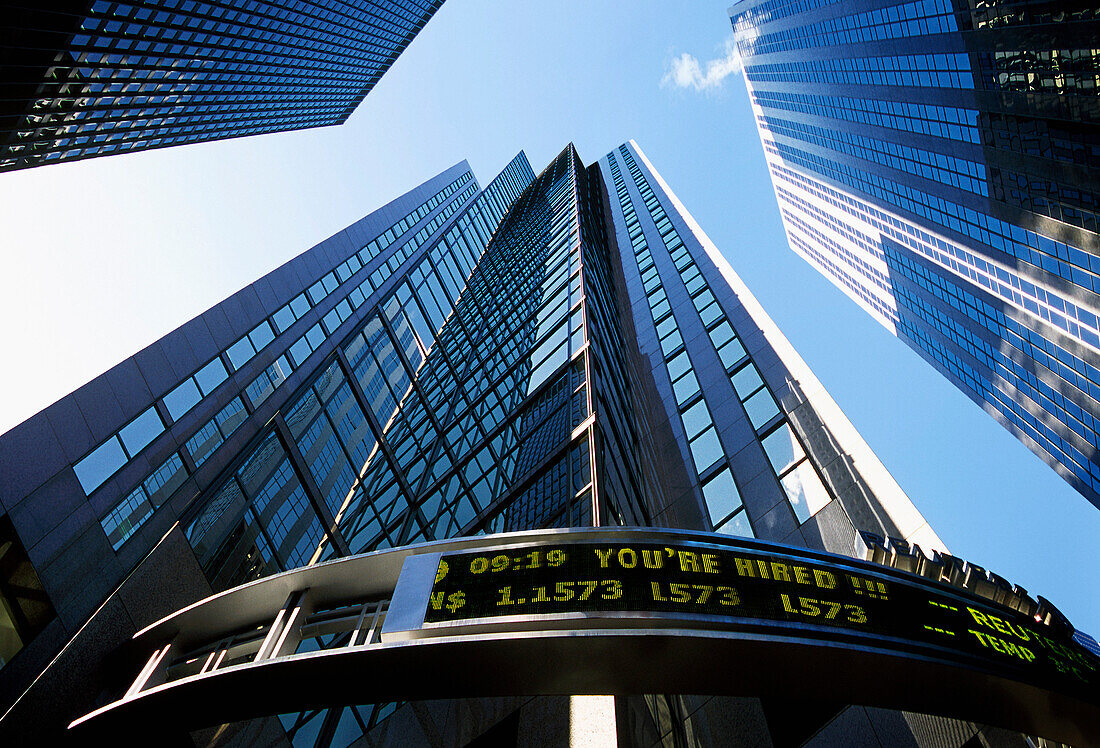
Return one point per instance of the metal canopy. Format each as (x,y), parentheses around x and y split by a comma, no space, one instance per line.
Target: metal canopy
(530,613)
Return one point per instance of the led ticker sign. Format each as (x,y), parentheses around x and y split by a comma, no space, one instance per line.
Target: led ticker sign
(783,592)
(622,610)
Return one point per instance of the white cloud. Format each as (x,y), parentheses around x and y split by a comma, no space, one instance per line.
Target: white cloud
(686,72)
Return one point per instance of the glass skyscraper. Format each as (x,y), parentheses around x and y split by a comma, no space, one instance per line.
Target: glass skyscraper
(87,78)
(938,161)
(560,350)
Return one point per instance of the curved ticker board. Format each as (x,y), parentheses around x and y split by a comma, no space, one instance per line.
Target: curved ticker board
(779,589)
(609,610)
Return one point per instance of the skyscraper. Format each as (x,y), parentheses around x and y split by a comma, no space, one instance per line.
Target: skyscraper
(938,162)
(86,78)
(564,350)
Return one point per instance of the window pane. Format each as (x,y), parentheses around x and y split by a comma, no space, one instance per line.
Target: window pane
(706,449)
(142,430)
(696,418)
(761,408)
(210,376)
(343,309)
(125,519)
(240,352)
(722,497)
(204,442)
(783,448)
(300,305)
(547,367)
(288,518)
(261,335)
(328,464)
(300,350)
(731,353)
(746,380)
(685,388)
(353,428)
(24,607)
(182,399)
(100,464)
(265,384)
(805,491)
(710,313)
(315,335)
(721,334)
(737,525)
(165,480)
(667,326)
(326,384)
(678,365)
(231,416)
(227,542)
(331,321)
(302,413)
(284,318)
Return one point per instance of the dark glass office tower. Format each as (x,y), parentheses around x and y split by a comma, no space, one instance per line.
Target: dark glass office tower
(87,78)
(563,350)
(938,161)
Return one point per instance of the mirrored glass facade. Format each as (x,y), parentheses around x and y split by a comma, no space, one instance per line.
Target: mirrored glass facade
(937,161)
(84,79)
(559,350)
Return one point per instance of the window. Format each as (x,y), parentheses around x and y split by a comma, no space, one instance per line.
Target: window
(210,376)
(261,335)
(284,318)
(722,497)
(182,399)
(805,491)
(706,449)
(684,383)
(165,480)
(137,434)
(728,345)
(240,352)
(24,607)
(269,379)
(738,524)
(100,465)
(127,516)
(299,305)
(758,401)
(782,448)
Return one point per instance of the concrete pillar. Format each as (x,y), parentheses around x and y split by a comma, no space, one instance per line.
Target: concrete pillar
(592,722)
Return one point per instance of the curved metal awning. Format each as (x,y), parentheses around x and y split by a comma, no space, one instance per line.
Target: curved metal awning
(596,611)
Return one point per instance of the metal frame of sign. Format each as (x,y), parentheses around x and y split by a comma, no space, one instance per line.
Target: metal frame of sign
(733,584)
(609,610)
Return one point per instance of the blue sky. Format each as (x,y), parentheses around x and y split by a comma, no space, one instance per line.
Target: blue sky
(105,256)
